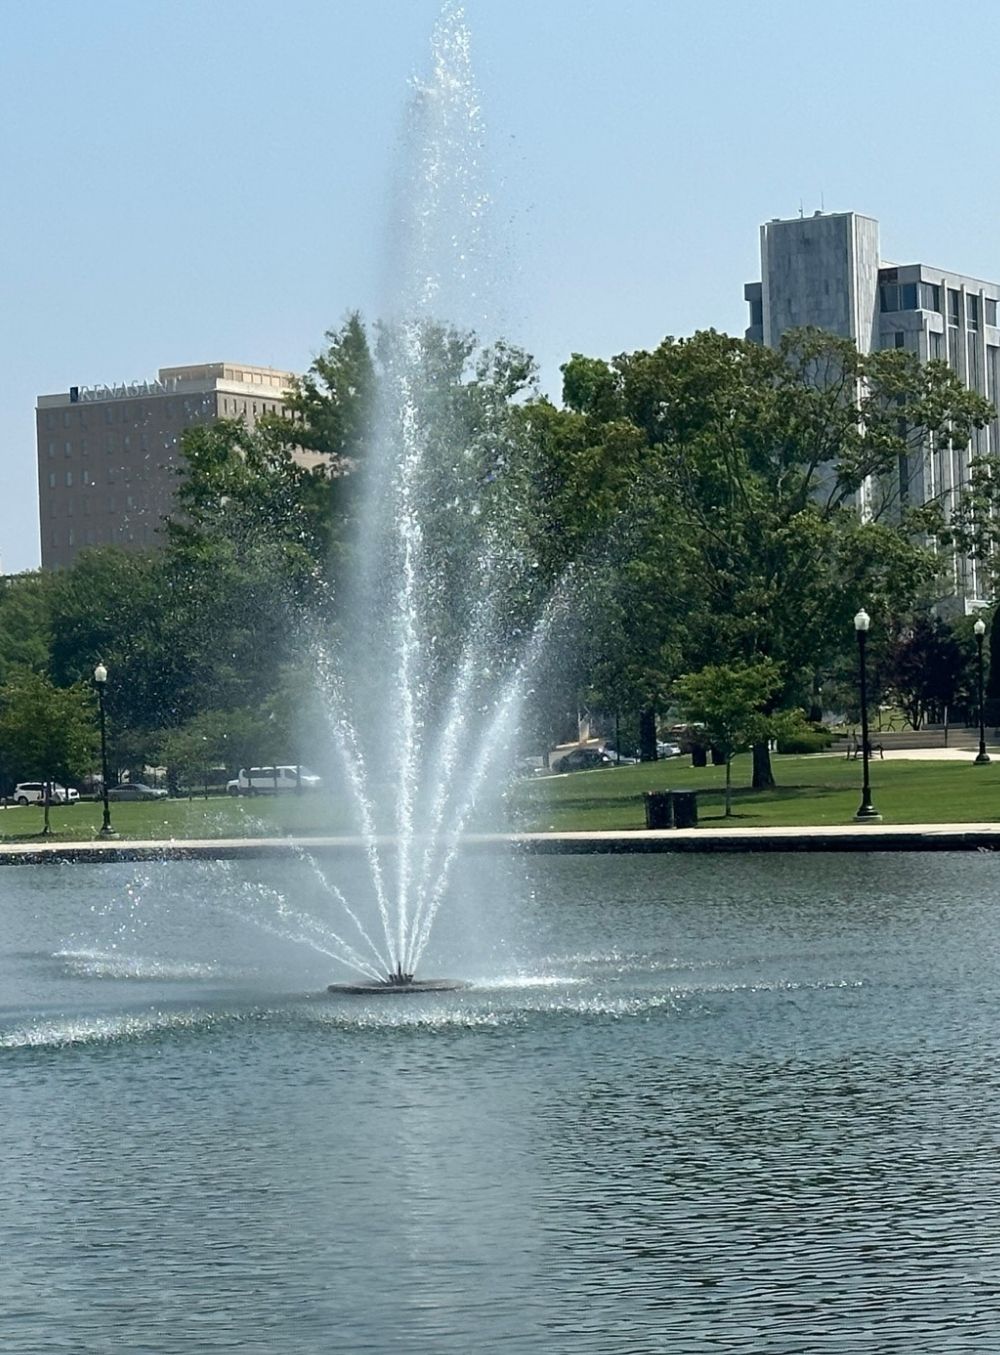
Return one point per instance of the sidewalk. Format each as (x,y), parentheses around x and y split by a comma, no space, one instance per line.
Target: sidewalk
(847,837)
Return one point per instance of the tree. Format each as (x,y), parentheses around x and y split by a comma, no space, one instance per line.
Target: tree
(925,668)
(760,457)
(25,621)
(243,493)
(732,701)
(48,732)
(331,406)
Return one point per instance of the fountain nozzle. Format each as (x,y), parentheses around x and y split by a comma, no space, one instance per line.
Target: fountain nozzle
(397,979)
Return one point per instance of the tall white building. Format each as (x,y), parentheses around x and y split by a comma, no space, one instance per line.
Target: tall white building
(826,270)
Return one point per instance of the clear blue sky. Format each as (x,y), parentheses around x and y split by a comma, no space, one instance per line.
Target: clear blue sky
(192,180)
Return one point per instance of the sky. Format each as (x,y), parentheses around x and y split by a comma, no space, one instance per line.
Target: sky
(193,181)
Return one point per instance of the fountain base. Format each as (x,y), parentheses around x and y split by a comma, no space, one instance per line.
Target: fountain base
(406,984)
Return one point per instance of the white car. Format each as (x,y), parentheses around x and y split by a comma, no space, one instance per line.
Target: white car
(268,780)
(33,793)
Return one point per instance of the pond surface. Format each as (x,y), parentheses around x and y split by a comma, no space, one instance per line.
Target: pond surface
(691,1104)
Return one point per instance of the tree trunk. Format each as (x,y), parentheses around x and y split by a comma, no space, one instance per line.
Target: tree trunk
(729,785)
(763,776)
(647,735)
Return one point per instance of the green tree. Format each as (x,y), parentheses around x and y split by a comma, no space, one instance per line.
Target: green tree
(25,621)
(330,408)
(734,702)
(759,458)
(48,732)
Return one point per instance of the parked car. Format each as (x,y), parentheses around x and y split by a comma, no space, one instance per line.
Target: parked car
(268,780)
(33,793)
(664,749)
(582,759)
(619,759)
(135,790)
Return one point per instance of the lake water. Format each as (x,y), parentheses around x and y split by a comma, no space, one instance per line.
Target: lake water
(692,1104)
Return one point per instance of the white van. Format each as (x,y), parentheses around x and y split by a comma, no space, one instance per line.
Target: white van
(33,793)
(268,780)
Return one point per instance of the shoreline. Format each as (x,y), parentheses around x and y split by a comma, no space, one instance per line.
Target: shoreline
(868,837)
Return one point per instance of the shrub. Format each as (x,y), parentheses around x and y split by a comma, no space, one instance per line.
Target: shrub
(805,741)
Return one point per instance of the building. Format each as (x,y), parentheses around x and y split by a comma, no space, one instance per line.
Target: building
(826,270)
(107,454)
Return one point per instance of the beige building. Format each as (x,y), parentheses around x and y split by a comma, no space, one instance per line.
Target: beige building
(107,454)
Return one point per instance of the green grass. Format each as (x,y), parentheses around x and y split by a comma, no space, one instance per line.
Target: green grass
(161,820)
(811,791)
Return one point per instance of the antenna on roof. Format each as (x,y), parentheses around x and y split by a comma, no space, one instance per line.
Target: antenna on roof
(822,201)
(801,210)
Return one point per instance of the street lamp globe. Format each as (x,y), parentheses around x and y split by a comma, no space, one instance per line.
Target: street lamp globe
(100,675)
(867,813)
(982,757)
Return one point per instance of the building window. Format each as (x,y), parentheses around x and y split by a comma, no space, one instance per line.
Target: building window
(67,449)
(69,479)
(108,414)
(936,345)
(954,306)
(972,310)
(52,449)
(86,477)
(52,479)
(899,339)
(930,297)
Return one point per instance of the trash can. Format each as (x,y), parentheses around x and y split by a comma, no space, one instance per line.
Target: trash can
(659,809)
(718,757)
(699,755)
(685,808)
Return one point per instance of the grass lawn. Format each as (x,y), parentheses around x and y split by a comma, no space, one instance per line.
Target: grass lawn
(814,790)
(219,816)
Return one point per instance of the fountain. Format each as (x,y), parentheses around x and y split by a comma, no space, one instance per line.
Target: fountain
(423,678)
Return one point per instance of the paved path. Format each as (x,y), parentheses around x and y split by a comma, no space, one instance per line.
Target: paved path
(848,837)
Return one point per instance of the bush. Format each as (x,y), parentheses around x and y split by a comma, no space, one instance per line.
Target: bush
(805,741)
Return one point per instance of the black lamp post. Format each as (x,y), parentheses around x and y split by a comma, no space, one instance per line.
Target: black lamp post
(867,810)
(982,756)
(100,679)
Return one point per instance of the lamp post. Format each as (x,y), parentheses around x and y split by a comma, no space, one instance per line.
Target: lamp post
(982,756)
(867,811)
(100,679)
